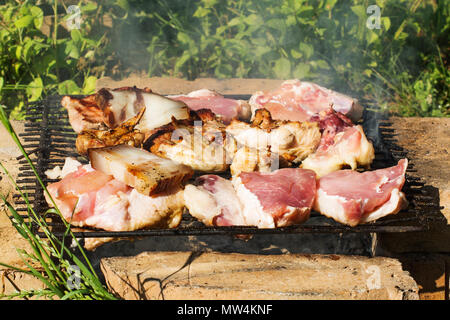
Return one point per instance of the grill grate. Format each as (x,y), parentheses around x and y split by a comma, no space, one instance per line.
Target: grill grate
(48,138)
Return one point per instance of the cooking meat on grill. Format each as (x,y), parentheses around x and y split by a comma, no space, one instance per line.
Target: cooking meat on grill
(249,159)
(83,113)
(213,201)
(348,147)
(123,134)
(199,142)
(140,169)
(225,108)
(292,140)
(299,100)
(352,198)
(112,107)
(88,197)
(265,200)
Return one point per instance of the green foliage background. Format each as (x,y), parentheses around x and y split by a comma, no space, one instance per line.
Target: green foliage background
(403,65)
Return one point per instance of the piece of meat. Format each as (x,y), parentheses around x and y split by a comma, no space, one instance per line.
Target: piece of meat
(276,199)
(297,100)
(140,169)
(90,198)
(123,134)
(227,109)
(331,123)
(249,160)
(113,107)
(199,142)
(349,147)
(70,165)
(264,200)
(292,140)
(213,201)
(83,113)
(351,198)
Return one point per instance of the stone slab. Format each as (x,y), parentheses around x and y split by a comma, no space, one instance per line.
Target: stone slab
(196,275)
(167,85)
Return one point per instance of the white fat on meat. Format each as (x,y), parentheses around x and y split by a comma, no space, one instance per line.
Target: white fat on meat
(113,107)
(70,165)
(349,147)
(227,109)
(264,200)
(299,100)
(140,169)
(351,198)
(213,201)
(90,198)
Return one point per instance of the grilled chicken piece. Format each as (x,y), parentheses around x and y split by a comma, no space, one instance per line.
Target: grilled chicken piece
(297,100)
(91,198)
(249,160)
(113,107)
(123,134)
(140,169)
(349,147)
(292,140)
(226,109)
(352,198)
(199,142)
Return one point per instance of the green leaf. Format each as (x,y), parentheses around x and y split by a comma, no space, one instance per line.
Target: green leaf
(181,61)
(72,50)
(19,52)
(301,70)
(201,12)
(307,49)
(282,68)
(89,85)
(34,89)
(2,81)
(90,6)
(24,21)
(76,36)
(184,38)
(386,23)
(68,87)
(372,37)
(295,54)
(38,16)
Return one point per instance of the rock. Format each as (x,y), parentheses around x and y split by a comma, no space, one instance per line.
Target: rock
(165,85)
(195,275)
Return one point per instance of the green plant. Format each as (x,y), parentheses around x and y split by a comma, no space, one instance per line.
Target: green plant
(326,41)
(55,258)
(39,59)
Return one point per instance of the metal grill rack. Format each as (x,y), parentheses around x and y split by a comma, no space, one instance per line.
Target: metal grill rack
(48,138)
